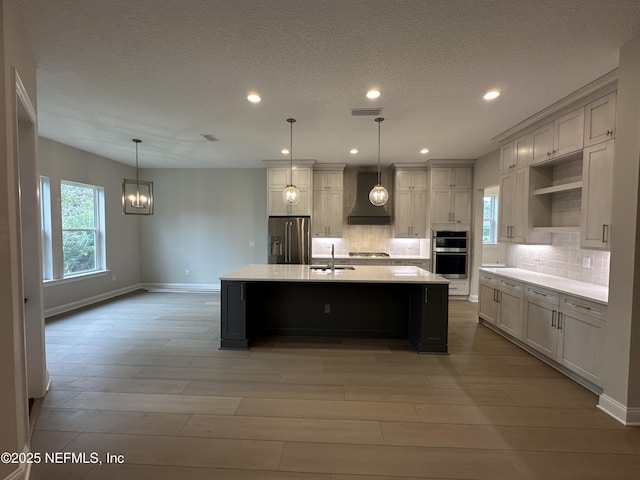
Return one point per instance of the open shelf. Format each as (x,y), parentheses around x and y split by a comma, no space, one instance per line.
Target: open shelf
(566,187)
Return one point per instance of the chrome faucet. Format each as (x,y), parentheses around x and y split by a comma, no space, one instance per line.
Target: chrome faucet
(333,258)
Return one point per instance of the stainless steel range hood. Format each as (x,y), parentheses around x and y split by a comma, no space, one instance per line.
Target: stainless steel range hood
(364,212)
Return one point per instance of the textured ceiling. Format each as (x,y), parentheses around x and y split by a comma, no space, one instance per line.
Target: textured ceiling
(167,71)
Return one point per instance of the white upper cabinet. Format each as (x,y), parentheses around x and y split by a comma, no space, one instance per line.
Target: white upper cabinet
(451,195)
(410,215)
(600,120)
(278,178)
(507,157)
(560,137)
(597,178)
(568,133)
(516,154)
(327,202)
(512,211)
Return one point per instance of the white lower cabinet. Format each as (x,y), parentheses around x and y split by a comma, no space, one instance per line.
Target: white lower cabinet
(510,307)
(458,287)
(501,303)
(541,326)
(488,298)
(566,329)
(581,338)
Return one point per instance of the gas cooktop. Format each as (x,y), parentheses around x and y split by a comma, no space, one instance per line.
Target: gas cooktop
(368,254)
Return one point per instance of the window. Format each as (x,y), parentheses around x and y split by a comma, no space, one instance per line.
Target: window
(73,235)
(490,219)
(81,234)
(45,217)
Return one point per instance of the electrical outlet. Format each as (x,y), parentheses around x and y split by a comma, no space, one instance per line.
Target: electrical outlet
(187,273)
(586,262)
(327,308)
(113,278)
(252,244)
(536,256)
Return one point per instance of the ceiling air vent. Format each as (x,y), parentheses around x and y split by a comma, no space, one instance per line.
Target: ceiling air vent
(210,137)
(359,112)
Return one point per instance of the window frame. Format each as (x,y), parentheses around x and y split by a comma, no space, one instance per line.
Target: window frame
(98,228)
(52,231)
(492,219)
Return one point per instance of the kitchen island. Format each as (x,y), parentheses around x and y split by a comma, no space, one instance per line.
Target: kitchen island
(363,301)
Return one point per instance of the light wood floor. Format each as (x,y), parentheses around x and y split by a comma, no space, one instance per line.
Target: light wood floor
(142,377)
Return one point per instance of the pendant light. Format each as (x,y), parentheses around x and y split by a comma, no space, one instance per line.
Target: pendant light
(290,194)
(378,195)
(137,195)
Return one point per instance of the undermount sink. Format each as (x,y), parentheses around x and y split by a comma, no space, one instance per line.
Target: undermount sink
(327,267)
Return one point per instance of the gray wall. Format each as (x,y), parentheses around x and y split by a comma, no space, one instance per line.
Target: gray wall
(621,375)
(204,221)
(486,173)
(61,162)
(14,417)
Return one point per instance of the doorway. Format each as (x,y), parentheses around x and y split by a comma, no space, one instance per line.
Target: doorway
(30,241)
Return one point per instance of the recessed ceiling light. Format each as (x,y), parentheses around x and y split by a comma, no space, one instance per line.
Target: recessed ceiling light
(353,151)
(284,151)
(254,98)
(424,151)
(491,94)
(373,94)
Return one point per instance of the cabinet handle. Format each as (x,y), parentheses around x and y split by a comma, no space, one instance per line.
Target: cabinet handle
(548,154)
(538,293)
(510,284)
(242,291)
(559,321)
(609,132)
(426,295)
(553,318)
(577,305)
(605,233)
(498,292)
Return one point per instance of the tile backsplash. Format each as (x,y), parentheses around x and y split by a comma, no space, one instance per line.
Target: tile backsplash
(563,258)
(370,238)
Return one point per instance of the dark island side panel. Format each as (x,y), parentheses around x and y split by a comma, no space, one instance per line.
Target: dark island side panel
(418,312)
(331,309)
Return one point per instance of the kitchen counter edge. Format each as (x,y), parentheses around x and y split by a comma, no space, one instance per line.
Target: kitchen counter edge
(361,274)
(586,291)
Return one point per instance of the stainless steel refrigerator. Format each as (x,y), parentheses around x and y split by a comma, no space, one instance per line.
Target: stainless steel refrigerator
(290,239)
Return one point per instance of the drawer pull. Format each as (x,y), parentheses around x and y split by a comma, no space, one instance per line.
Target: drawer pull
(584,307)
(510,284)
(553,318)
(559,321)
(539,293)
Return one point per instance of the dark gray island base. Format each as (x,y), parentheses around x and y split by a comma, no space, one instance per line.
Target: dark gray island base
(397,306)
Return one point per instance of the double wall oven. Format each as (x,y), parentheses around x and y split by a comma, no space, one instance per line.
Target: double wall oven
(450,253)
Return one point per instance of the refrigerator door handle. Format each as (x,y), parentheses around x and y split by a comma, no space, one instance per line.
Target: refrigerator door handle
(287,254)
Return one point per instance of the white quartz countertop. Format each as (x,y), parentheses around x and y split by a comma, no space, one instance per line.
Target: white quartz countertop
(360,274)
(588,291)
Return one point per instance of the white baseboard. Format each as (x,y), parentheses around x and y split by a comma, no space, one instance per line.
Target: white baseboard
(49,312)
(473,298)
(182,287)
(626,416)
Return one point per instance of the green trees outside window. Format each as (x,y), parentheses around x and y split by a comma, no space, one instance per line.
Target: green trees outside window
(79,227)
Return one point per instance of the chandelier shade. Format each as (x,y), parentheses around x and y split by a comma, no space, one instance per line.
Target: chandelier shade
(379,195)
(291,194)
(137,195)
